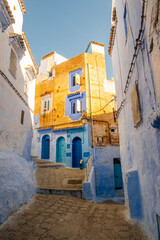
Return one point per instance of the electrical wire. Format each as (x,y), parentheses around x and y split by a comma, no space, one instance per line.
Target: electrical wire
(114,99)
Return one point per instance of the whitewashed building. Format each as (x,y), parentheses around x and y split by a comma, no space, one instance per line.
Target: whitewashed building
(135,50)
(17,74)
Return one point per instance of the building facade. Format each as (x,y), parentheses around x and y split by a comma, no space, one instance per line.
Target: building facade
(67,92)
(134,46)
(17,74)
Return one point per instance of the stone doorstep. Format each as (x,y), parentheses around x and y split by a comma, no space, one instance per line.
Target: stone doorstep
(33,156)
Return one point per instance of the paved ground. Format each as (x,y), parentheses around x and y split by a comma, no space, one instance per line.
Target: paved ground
(60,178)
(52,217)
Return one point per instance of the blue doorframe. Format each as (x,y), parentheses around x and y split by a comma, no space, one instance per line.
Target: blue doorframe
(45,154)
(76,152)
(117,173)
(60,150)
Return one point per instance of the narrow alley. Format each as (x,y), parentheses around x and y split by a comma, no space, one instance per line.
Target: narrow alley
(55,217)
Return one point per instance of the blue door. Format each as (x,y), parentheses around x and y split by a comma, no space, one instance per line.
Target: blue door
(76,152)
(45,147)
(117,174)
(61,150)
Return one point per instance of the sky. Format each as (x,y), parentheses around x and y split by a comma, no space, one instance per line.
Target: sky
(67,26)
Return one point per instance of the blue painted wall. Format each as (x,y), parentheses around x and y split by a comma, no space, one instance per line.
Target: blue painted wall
(27,147)
(104,171)
(101,184)
(140,146)
(134,189)
(89,187)
(17,182)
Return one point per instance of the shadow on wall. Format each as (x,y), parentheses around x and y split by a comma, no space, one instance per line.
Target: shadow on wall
(27,147)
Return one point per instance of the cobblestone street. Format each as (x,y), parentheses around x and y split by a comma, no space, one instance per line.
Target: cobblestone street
(56,217)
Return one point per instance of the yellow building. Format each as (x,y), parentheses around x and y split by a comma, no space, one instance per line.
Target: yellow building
(67,93)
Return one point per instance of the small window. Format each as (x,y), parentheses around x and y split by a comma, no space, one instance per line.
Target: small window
(22,117)
(126,23)
(13,64)
(102,140)
(97,139)
(112,130)
(73,81)
(50,74)
(46,104)
(73,108)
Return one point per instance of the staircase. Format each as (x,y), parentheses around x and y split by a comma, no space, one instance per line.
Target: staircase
(55,178)
(45,163)
(119,198)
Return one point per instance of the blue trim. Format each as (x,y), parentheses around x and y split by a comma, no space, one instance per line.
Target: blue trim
(68,145)
(70,100)
(45,149)
(3,20)
(68,154)
(75,96)
(125,20)
(72,87)
(20,51)
(44,130)
(86,154)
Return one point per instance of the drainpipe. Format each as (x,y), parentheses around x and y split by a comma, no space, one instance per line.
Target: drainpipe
(90,107)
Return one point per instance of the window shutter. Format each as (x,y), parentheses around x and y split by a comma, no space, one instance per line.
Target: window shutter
(135,104)
(78,79)
(48,105)
(22,117)
(79,109)
(13,63)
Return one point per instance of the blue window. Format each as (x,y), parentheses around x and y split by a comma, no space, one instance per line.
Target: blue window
(75,104)
(73,81)
(50,74)
(73,86)
(125,21)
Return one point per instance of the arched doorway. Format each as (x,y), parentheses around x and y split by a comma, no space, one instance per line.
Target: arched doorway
(45,147)
(76,152)
(117,173)
(60,150)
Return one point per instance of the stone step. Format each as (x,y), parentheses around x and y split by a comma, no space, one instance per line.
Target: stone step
(50,165)
(59,179)
(38,160)
(120,200)
(33,156)
(119,196)
(75,193)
